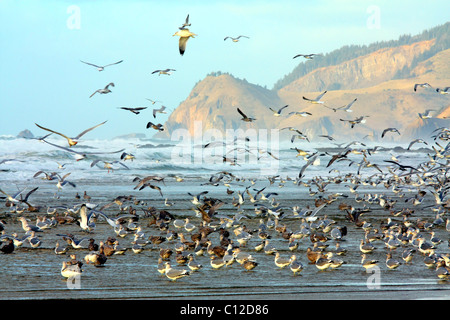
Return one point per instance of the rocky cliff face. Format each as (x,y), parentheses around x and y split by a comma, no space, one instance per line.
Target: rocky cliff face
(213,103)
(361,72)
(383,101)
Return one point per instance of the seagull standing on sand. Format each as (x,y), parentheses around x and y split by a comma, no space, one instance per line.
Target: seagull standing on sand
(104,90)
(101,68)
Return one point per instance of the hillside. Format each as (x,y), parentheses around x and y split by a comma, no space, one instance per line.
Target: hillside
(382,81)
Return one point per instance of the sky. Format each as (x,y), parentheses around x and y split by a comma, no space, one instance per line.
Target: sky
(42,42)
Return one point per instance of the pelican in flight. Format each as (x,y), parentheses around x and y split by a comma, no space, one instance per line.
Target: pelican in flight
(101,68)
(307,56)
(244,117)
(165,71)
(184,35)
(235,39)
(72,141)
(104,90)
(317,99)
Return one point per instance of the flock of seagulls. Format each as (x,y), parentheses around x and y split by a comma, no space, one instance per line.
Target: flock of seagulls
(221,240)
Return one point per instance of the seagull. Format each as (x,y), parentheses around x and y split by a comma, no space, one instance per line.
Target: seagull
(101,68)
(104,90)
(355,121)
(416,141)
(443,91)
(78,155)
(136,110)
(307,56)
(235,39)
(160,110)
(184,35)
(72,141)
(426,114)
(153,101)
(165,71)
(346,107)
(158,126)
(244,117)
(389,130)
(277,113)
(302,114)
(317,99)
(422,85)
(185,24)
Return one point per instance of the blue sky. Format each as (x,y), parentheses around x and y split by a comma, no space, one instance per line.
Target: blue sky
(42,42)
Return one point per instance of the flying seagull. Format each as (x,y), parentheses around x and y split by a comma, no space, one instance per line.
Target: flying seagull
(153,101)
(443,91)
(345,108)
(165,71)
(160,110)
(355,121)
(104,90)
(422,85)
(244,117)
(134,110)
(184,35)
(277,113)
(72,141)
(185,24)
(302,114)
(235,39)
(389,130)
(80,155)
(426,114)
(307,56)
(317,99)
(158,126)
(101,68)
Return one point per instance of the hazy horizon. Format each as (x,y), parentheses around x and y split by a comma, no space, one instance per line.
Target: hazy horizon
(44,82)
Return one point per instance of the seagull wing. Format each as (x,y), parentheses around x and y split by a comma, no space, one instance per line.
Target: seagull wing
(182,44)
(111,64)
(320,95)
(87,130)
(241,113)
(62,135)
(91,64)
